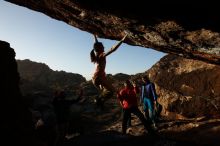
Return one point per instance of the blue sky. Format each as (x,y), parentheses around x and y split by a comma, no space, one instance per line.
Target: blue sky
(40,38)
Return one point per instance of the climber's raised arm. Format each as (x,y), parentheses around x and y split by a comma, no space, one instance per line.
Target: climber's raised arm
(115,47)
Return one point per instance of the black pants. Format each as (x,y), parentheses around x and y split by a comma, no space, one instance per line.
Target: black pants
(137,112)
(129,118)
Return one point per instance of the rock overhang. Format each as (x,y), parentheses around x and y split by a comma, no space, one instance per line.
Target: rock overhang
(184,28)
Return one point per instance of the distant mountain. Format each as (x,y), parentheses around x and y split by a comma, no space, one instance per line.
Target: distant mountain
(39,77)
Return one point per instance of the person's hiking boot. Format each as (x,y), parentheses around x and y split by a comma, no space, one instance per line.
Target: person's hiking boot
(152,130)
(129,130)
(154,127)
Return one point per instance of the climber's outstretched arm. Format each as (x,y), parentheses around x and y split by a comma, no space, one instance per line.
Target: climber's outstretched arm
(115,47)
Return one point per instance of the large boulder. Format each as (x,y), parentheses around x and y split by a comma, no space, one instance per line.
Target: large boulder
(187,87)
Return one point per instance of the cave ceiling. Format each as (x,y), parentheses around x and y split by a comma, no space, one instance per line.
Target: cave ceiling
(189,29)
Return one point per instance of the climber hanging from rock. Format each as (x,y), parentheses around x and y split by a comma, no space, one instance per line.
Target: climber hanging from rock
(98,57)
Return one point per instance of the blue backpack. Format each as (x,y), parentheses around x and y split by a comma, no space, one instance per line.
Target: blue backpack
(148,91)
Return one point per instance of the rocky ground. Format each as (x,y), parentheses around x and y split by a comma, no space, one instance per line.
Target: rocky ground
(104,128)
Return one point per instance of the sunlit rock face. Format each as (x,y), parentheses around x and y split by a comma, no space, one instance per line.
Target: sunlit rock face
(183,28)
(187,88)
